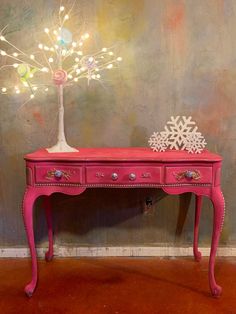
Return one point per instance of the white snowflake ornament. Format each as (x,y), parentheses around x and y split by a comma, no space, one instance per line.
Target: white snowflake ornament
(158,142)
(179,133)
(195,143)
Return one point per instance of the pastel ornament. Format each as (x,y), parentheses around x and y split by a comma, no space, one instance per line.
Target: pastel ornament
(60,77)
(65,37)
(23,70)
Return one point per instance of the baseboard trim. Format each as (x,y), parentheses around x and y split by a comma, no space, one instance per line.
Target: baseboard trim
(140,251)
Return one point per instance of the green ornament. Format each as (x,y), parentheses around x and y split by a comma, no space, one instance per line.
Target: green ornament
(23,70)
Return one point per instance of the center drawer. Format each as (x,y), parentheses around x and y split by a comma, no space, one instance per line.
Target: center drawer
(123,175)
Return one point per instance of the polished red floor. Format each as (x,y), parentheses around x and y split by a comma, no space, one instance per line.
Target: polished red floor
(117,286)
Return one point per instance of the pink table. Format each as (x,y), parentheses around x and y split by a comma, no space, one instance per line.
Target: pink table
(175,172)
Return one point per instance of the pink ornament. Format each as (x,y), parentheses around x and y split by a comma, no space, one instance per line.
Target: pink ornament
(59,77)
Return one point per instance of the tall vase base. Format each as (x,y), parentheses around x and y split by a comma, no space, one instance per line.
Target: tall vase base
(62,147)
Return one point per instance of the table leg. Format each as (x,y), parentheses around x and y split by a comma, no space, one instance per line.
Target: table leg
(198,207)
(48,213)
(217,199)
(28,204)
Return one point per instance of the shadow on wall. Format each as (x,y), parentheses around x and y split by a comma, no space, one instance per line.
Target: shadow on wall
(80,217)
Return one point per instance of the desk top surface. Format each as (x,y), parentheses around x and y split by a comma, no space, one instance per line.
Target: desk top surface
(122,154)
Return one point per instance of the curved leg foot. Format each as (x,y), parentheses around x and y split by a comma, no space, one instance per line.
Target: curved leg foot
(197,256)
(198,207)
(29,289)
(219,207)
(217,291)
(48,212)
(48,256)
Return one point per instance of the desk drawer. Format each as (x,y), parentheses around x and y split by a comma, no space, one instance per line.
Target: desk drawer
(58,174)
(123,175)
(188,174)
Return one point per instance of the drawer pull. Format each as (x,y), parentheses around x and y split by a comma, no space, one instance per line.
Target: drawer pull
(58,174)
(188,174)
(114,176)
(132,176)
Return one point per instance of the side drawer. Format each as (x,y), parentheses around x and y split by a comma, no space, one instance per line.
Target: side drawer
(188,174)
(123,175)
(58,174)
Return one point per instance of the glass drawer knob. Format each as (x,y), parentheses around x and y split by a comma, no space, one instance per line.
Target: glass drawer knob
(114,176)
(132,176)
(189,174)
(58,174)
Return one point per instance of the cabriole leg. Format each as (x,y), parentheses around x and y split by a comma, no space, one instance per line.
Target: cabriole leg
(48,213)
(198,207)
(219,207)
(28,204)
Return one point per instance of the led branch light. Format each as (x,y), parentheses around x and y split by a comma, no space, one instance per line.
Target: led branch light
(58,63)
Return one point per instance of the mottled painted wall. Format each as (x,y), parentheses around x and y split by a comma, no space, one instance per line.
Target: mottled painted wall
(179,59)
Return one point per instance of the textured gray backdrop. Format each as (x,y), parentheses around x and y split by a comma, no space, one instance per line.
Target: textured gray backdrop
(179,59)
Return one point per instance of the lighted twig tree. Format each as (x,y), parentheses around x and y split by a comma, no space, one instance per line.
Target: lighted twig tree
(58,63)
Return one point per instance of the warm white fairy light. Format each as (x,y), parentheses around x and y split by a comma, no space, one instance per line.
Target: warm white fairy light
(44,69)
(58,61)
(63,52)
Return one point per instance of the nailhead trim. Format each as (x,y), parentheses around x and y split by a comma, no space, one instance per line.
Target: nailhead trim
(22,209)
(119,185)
(223,216)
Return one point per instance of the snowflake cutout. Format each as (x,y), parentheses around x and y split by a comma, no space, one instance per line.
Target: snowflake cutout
(180,133)
(195,143)
(158,142)
(177,130)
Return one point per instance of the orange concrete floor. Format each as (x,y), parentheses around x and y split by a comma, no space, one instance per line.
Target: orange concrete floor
(117,286)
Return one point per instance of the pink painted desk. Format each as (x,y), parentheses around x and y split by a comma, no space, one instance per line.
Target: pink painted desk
(175,172)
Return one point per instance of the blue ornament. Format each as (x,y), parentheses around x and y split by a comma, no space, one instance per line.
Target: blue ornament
(66,37)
